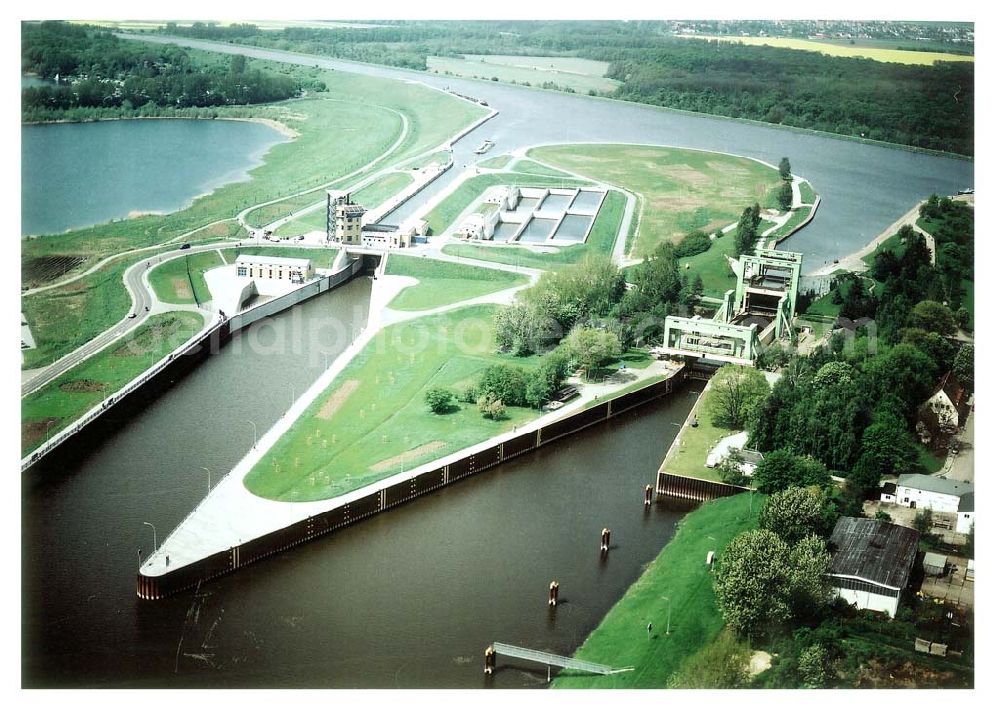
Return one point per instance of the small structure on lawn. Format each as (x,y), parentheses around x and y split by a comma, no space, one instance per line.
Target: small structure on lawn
(871,562)
(935,564)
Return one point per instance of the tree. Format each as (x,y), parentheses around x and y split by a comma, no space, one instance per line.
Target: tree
(785,196)
(933,317)
(795,513)
(544,381)
(731,469)
(590,347)
(785,169)
(504,382)
(746,230)
(751,582)
(735,392)
(809,586)
(964,367)
(439,400)
(813,663)
(886,449)
(491,407)
(923,521)
(782,469)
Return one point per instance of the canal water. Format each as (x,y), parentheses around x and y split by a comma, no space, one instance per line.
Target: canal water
(410,598)
(77,174)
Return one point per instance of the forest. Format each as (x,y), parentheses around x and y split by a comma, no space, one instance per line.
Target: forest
(921,106)
(98,71)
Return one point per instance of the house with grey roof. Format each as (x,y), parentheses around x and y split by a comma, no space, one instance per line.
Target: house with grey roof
(927,492)
(871,562)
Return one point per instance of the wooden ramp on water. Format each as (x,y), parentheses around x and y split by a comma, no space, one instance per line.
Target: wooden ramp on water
(547,658)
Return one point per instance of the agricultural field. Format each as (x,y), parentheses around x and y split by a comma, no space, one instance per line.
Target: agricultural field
(601,241)
(182,280)
(836,49)
(676,584)
(680,190)
(580,75)
(63,400)
(355,434)
(444,283)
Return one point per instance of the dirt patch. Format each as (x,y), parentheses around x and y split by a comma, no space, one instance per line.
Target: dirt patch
(82,386)
(337,399)
(878,674)
(413,454)
(35,430)
(181,286)
(759,661)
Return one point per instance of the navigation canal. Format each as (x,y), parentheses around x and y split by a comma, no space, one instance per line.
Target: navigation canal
(410,598)
(865,187)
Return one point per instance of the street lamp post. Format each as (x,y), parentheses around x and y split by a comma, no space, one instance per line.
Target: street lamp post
(209,477)
(148,524)
(254,432)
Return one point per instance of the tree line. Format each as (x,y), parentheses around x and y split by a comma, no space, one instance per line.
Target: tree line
(98,71)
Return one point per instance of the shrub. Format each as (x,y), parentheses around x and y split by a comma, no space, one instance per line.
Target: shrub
(696,242)
(491,407)
(439,400)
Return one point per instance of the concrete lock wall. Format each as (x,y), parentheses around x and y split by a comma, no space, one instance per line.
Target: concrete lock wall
(189,576)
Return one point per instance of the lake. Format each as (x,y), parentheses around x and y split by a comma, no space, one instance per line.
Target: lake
(78,174)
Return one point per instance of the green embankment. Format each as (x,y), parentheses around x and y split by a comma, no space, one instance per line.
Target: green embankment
(496,162)
(182,280)
(321,257)
(687,456)
(713,265)
(63,400)
(447,211)
(444,283)
(682,190)
(677,584)
(601,241)
(372,421)
(807,192)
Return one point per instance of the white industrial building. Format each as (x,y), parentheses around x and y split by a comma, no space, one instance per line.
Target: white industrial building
(871,561)
(294,270)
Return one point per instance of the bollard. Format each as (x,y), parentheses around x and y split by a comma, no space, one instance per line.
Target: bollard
(491,660)
(553,593)
(648,499)
(605,540)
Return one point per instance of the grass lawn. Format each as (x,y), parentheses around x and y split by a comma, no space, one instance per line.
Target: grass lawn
(66,398)
(441,157)
(824,307)
(443,283)
(807,192)
(536,168)
(496,162)
(687,456)
(372,420)
(383,188)
(601,241)
(894,243)
(678,573)
(798,216)
(313,221)
(879,54)
(713,266)
(682,190)
(580,75)
(321,257)
(927,460)
(182,280)
(442,216)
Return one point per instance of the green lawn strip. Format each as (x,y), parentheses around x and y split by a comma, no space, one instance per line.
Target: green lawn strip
(683,190)
(447,211)
(63,400)
(678,573)
(824,307)
(182,280)
(807,192)
(716,275)
(496,162)
(321,257)
(798,216)
(383,188)
(893,243)
(67,317)
(351,121)
(313,221)
(601,240)
(443,282)
(638,384)
(687,456)
(374,411)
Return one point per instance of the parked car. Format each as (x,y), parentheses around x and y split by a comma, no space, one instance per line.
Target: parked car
(185,246)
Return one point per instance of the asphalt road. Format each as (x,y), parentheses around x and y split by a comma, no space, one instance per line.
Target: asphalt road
(143,300)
